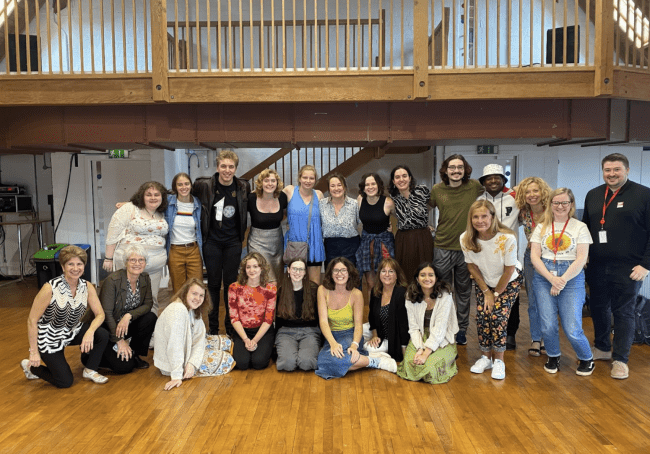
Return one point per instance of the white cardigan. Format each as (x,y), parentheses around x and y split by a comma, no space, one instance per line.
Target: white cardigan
(443,327)
(179,338)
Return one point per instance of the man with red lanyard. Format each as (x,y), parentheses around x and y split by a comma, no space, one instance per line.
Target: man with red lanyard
(618,217)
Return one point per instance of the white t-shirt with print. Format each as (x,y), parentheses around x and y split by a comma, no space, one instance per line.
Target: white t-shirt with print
(495,255)
(576,232)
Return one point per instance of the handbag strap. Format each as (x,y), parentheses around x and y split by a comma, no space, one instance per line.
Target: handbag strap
(311,205)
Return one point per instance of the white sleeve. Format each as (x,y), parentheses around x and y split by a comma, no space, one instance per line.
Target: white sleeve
(120,221)
(511,251)
(440,321)
(198,343)
(178,320)
(414,327)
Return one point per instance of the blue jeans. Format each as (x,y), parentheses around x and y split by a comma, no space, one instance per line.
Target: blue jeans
(612,292)
(568,304)
(533,309)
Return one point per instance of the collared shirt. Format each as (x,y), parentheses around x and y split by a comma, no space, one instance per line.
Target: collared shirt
(343,225)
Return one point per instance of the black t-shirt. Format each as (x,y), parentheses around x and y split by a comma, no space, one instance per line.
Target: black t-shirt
(225,230)
(266,221)
(298,322)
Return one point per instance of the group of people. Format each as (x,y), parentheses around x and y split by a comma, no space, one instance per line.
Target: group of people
(415,320)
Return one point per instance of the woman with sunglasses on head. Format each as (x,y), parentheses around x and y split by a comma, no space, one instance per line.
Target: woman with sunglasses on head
(298,335)
(559,249)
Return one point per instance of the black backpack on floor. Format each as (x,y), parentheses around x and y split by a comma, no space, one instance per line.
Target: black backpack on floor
(642,321)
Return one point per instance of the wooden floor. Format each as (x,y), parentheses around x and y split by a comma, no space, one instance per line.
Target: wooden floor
(367,411)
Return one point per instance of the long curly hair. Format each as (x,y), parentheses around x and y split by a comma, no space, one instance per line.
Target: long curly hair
(181,295)
(137,199)
(242,277)
(414,292)
(445,164)
(544,189)
(353,274)
(286,307)
(264,174)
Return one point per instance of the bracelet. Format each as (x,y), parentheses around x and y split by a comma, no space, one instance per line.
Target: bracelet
(356,343)
(486,290)
(109,258)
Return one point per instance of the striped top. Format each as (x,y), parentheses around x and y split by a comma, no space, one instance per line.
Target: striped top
(413,213)
(61,320)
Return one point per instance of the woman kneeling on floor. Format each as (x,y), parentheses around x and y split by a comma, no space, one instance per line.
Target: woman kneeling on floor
(181,349)
(431,353)
(340,309)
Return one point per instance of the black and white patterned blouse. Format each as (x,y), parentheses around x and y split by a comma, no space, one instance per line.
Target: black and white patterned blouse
(132,299)
(61,320)
(413,213)
(383,317)
(345,224)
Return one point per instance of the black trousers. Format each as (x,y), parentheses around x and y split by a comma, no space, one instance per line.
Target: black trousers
(258,359)
(513,321)
(222,266)
(140,331)
(56,369)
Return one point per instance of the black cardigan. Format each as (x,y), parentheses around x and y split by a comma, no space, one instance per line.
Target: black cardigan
(398,325)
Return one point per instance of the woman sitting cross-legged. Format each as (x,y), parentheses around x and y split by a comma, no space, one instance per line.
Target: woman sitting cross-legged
(127,300)
(431,353)
(340,309)
(387,320)
(252,308)
(297,337)
(181,349)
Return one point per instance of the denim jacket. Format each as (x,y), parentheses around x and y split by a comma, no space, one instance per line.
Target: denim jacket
(170,216)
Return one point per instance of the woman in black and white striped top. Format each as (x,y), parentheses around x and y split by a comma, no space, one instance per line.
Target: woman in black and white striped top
(55,322)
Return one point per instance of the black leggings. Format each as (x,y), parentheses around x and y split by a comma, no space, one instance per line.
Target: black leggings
(258,359)
(56,369)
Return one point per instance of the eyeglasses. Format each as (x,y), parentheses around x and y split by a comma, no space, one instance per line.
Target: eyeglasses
(387,272)
(297,270)
(340,271)
(564,204)
(456,167)
(140,260)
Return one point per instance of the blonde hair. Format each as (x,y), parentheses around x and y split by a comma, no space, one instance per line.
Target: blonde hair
(471,235)
(228,154)
(548,213)
(544,189)
(307,168)
(263,176)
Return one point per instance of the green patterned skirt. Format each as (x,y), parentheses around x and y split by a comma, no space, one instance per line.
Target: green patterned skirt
(440,367)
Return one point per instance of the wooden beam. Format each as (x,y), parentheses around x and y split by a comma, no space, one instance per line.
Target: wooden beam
(266,163)
(604,48)
(159,51)
(420,49)
(347,168)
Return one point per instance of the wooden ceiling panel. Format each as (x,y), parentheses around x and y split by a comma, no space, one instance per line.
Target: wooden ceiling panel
(105,124)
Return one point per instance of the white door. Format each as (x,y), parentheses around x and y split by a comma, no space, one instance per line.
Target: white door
(509,164)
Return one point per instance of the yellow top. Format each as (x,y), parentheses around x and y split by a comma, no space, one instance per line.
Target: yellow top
(340,319)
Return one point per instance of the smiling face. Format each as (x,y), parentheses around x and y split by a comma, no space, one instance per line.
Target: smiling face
(307,179)
(427,279)
(371,187)
(269,184)
(482,220)
(340,274)
(253,270)
(183,187)
(195,297)
(135,265)
(152,199)
(456,170)
(336,188)
(561,206)
(226,169)
(615,174)
(73,269)
(388,276)
(401,179)
(533,195)
(297,271)
(493,184)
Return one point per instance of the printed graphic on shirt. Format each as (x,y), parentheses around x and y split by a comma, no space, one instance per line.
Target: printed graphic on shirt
(566,243)
(501,245)
(228,211)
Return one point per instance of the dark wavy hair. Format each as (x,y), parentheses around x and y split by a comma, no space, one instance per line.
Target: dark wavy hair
(339,177)
(378,180)
(181,295)
(393,264)
(286,307)
(353,274)
(445,164)
(242,277)
(414,292)
(137,199)
(392,189)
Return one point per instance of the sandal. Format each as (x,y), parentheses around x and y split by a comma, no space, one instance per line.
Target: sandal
(94,376)
(543,349)
(535,349)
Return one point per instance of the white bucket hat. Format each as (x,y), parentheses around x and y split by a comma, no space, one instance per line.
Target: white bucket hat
(493,169)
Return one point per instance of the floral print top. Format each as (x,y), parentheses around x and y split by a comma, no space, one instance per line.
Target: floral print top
(128,225)
(252,306)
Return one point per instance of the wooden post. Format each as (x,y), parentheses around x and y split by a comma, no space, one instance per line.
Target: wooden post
(604,48)
(420,49)
(159,55)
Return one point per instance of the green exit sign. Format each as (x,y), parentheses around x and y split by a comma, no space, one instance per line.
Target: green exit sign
(486,149)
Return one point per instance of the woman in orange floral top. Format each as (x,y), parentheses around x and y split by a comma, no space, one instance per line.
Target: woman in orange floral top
(252,307)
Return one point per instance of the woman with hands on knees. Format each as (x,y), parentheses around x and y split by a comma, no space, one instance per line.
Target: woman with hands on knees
(126,298)
(490,251)
(252,309)
(559,249)
(54,323)
(388,329)
(340,310)
(431,353)
(182,350)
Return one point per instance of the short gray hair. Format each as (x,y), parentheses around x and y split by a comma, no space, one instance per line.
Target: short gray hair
(135,249)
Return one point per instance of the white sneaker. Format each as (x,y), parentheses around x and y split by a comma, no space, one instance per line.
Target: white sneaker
(24,364)
(499,370)
(386,362)
(481,365)
(94,376)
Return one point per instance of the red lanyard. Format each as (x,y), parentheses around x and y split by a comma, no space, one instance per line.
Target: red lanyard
(532,219)
(556,243)
(606,204)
